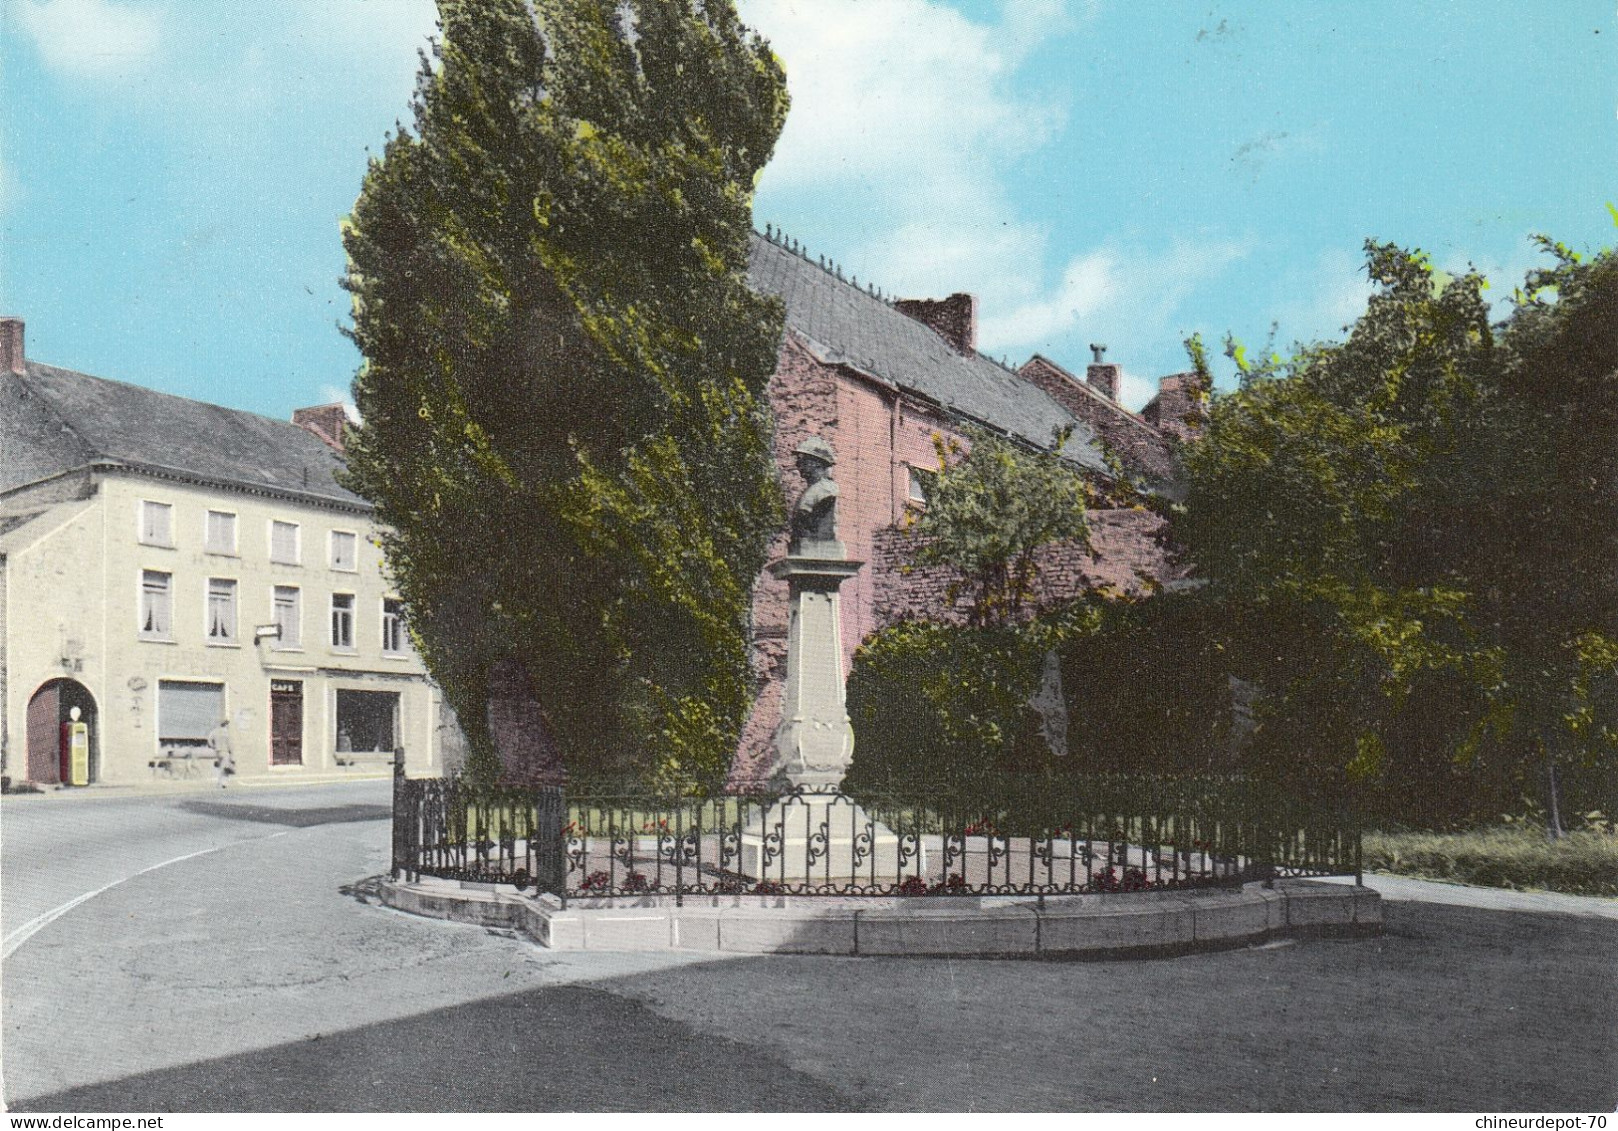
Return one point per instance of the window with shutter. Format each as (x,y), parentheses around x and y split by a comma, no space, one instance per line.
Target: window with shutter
(284,543)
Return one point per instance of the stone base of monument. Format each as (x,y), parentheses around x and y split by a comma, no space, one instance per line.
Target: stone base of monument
(825,838)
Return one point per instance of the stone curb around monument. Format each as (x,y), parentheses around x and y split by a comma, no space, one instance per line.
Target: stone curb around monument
(1072,926)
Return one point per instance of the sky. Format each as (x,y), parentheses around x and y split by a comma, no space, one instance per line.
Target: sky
(173,172)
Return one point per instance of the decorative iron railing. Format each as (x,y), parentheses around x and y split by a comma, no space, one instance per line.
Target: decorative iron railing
(1008,837)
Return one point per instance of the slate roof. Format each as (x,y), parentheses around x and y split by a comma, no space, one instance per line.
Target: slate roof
(79,420)
(111,422)
(848,326)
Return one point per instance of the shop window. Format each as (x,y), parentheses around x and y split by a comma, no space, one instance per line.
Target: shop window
(367,722)
(186,714)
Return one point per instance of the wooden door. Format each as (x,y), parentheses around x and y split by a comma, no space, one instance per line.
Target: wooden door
(45,735)
(286,722)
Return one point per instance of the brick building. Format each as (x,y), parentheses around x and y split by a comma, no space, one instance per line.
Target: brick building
(879,379)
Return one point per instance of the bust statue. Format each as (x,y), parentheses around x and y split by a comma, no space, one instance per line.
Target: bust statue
(814,516)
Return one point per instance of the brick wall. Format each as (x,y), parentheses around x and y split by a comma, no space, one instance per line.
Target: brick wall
(1180,406)
(1141,448)
(1128,551)
(955,319)
(879,434)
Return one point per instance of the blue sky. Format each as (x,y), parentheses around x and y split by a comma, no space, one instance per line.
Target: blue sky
(172,172)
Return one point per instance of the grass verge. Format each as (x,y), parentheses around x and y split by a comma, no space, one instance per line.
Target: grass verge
(1581,863)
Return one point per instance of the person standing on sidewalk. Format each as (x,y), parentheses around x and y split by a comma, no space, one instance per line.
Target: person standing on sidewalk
(219,743)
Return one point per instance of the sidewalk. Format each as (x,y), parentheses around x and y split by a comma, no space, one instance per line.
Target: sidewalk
(1406,889)
(183,787)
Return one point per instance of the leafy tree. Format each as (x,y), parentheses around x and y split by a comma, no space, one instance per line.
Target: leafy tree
(1406,528)
(1547,559)
(565,429)
(988,513)
(949,703)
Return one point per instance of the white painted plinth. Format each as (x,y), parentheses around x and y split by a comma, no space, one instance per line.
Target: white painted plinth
(835,829)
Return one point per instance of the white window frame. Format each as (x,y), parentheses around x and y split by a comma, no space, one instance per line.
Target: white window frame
(396,622)
(917,478)
(297,542)
(166,634)
(232,637)
(283,643)
(351,610)
(331,546)
(207,532)
(141,534)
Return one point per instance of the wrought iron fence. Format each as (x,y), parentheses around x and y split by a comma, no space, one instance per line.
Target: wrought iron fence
(1032,837)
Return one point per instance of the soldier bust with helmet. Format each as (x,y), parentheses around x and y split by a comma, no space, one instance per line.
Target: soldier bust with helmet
(814,515)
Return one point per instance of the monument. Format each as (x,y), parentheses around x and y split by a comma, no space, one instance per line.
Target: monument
(814,832)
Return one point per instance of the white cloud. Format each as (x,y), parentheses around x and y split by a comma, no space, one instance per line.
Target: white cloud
(387,28)
(905,115)
(905,91)
(1090,281)
(89,38)
(1331,296)
(1129,300)
(908,121)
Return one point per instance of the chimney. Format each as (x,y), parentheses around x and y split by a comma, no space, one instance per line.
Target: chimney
(12,356)
(1180,408)
(1103,378)
(325,421)
(955,319)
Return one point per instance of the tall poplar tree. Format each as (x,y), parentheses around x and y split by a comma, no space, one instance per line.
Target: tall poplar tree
(565,427)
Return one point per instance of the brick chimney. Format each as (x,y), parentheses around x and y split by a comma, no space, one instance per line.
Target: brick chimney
(12,357)
(1102,376)
(1180,408)
(325,421)
(955,319)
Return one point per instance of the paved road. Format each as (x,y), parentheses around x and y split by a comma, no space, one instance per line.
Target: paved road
(256,977)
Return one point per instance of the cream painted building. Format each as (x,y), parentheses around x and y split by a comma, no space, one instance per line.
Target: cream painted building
(167,564)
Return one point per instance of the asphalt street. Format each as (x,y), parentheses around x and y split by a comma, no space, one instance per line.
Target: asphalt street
(232,957)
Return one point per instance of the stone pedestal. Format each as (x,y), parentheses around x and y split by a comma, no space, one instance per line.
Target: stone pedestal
(824,838)
(814,833)
(815,740)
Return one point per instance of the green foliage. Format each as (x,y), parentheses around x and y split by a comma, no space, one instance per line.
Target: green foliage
(563,389)
(947,703)
(1581,863)
(1416,534)
(1148,690)
(989,511)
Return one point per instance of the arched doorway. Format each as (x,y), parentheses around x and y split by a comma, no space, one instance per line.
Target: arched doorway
(51,706)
